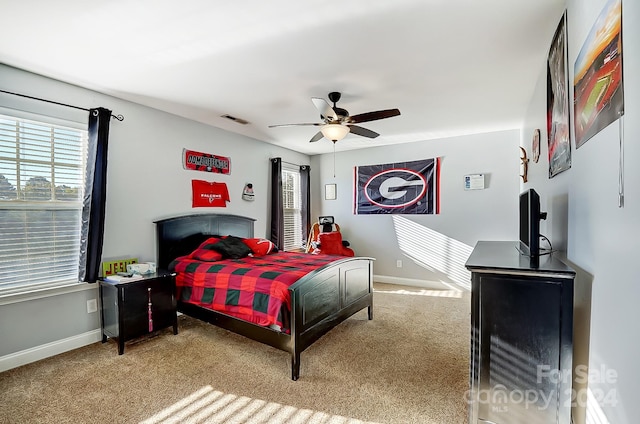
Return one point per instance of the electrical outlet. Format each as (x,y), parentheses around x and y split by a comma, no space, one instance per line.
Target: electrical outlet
(92,306)
(398,263)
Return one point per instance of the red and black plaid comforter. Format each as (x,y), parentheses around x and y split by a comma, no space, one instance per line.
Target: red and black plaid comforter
(253,288)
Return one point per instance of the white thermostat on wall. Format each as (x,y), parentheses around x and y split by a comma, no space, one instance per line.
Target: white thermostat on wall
(474,182)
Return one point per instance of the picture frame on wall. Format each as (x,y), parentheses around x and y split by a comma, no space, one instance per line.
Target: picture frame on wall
(558,125)
(330,192)
(535,145)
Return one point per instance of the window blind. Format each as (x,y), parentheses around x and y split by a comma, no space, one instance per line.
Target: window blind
(42,167)
(292,200)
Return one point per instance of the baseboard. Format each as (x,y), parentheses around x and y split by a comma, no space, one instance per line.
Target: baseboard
(425,284)
(47,350)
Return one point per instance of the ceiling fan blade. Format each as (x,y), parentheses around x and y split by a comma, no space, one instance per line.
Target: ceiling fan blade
(326,111)
(374,116)
(362,131)
(316,124)
(316,137)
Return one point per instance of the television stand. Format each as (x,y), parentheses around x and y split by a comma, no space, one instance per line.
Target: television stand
(521,336)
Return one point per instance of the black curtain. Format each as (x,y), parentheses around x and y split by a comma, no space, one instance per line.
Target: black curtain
(93,209)
(305,193)
(277,209)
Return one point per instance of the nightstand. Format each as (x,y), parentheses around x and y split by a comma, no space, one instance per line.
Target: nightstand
(135,308)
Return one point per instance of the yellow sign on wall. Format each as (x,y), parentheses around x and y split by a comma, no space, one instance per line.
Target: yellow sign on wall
(114,267)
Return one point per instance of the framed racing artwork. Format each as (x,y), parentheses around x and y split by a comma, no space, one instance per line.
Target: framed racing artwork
(410,187)
(597,81)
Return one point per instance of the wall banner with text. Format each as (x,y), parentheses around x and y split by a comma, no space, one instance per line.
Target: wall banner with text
(398,188)
(206,162)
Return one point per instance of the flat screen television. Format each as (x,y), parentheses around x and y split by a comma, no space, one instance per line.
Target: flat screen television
(530,217)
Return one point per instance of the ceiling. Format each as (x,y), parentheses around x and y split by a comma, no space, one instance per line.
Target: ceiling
(452,67)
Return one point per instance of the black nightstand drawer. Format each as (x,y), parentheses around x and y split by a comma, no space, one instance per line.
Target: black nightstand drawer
(135,308)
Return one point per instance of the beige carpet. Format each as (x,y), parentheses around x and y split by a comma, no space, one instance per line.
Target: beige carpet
(408,365)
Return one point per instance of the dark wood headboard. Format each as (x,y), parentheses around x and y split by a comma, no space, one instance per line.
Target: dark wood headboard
(171,231)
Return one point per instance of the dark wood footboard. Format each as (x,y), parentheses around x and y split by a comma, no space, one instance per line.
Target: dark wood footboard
(325,298)
(319,302)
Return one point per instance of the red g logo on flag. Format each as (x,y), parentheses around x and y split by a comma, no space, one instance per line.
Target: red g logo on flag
(395,188)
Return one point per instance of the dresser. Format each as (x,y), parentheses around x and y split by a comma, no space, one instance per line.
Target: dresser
(135,308)
(521,336)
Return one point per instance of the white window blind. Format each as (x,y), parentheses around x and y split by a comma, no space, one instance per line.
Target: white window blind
(292,200)
(42,169)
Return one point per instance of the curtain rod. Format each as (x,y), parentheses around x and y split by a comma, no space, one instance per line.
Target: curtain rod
(118,117)
(289,163)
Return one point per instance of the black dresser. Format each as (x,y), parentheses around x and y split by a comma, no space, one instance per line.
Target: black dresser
(521,336)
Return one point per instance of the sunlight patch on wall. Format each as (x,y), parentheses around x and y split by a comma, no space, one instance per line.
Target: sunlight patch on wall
(595,415)
(208,405)
(433,250)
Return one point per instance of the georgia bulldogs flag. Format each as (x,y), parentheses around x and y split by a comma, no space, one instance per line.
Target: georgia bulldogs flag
(206,194)
(398,188)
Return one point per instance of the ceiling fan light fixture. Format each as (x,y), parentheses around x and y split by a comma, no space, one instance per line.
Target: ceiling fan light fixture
(334,132)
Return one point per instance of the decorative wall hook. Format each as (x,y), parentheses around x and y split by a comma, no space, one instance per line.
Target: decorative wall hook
(525,164)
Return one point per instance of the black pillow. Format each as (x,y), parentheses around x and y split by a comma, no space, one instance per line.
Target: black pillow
(232,247)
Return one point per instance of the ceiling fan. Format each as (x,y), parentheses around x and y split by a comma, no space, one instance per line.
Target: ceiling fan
(337,123)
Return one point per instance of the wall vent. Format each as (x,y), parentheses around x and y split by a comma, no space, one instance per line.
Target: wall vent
(234,119)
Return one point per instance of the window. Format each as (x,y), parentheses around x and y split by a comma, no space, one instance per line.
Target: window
(42,167)
(292,201)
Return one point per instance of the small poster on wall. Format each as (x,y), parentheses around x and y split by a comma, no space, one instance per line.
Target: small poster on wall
(558,103)
(206,162)
(398,188)
(474,182)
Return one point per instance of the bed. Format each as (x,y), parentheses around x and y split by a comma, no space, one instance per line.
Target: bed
(319,300)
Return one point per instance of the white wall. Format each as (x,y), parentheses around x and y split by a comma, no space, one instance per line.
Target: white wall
(145,154)
(600,239)
(465,216)
(146,181)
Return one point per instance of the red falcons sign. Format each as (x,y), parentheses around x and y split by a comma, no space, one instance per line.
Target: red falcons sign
(206,162)
(398,188)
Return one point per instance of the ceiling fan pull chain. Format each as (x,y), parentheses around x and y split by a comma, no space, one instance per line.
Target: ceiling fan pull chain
(334,159)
